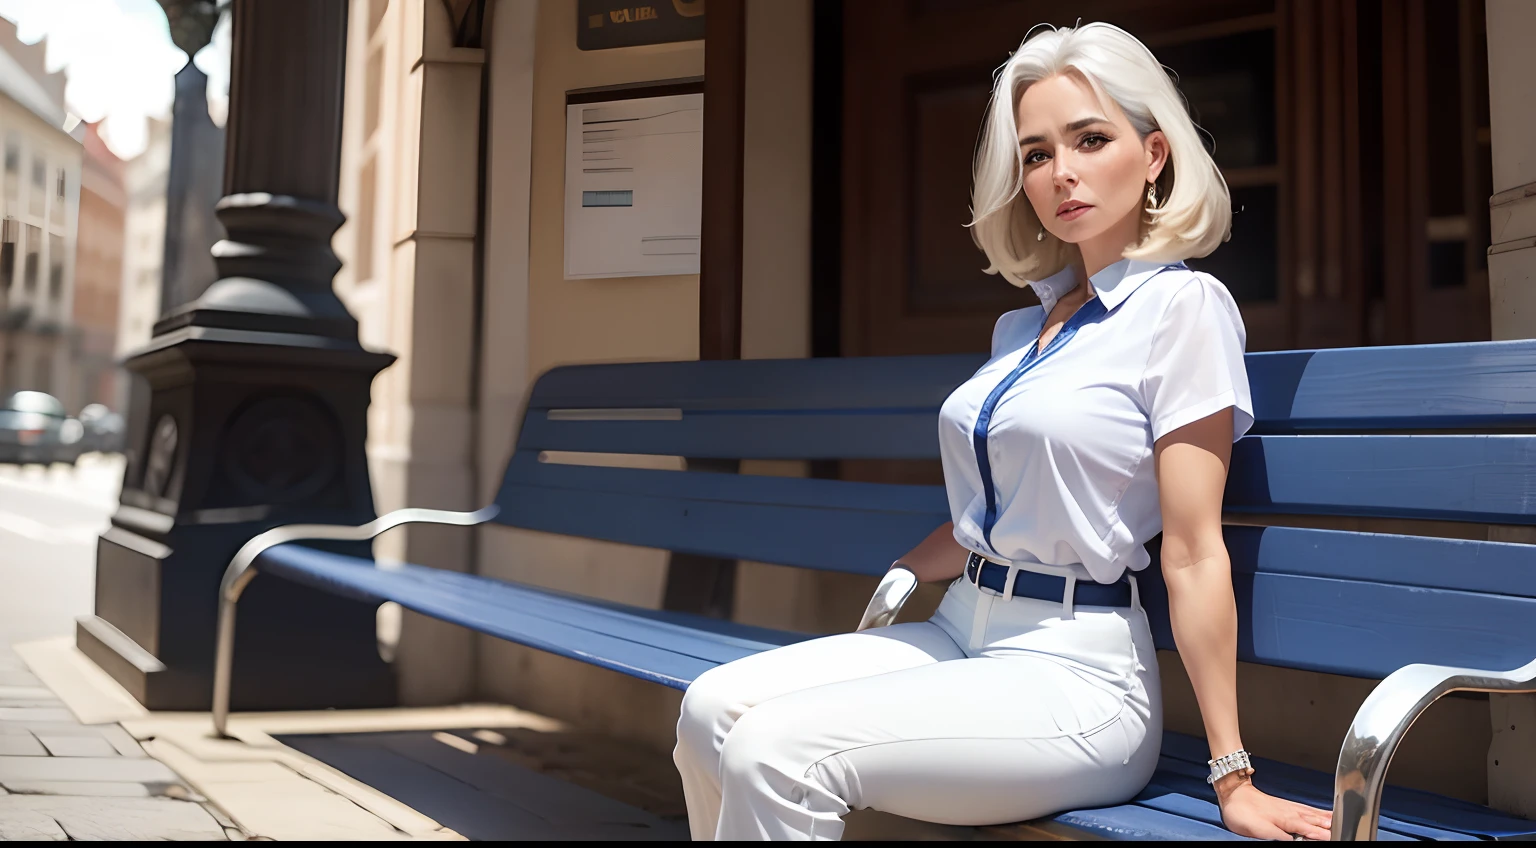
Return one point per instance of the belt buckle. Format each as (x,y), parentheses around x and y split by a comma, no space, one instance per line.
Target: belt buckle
(973,566)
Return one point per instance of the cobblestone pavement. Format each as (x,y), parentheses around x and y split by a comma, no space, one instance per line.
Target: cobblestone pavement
(60,779)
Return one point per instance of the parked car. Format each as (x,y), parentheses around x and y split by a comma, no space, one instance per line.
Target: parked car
(34,429)
(104,430)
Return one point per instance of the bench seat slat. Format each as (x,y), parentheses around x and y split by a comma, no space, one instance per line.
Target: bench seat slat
(1363,629)
(1459,478)
(1187,780)
(1406,808)
(1133,822)
(640,647)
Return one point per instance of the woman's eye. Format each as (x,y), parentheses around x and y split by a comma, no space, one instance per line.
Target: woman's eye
(1034,156)
(1094,142)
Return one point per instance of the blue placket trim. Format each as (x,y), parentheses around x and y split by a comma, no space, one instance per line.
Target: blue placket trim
(1090,311)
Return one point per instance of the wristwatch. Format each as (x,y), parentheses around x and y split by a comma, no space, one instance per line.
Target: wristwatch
(1222,766)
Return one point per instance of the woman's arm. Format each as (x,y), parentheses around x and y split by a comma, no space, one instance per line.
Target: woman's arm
(938,557)
(1191,477)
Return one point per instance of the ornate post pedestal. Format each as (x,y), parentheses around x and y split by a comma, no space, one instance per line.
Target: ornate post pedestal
(258,410)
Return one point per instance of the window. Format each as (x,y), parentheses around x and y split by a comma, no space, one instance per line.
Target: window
(37,195)
(60,182)
(7,253)
(32,250)
(1229,84)
(55,267)
(12,172)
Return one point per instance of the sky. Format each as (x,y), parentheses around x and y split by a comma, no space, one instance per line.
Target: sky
(120,61)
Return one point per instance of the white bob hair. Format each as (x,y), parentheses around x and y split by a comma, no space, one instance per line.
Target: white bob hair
(1194,211)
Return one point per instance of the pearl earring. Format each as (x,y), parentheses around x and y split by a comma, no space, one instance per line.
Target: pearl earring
(1041,236)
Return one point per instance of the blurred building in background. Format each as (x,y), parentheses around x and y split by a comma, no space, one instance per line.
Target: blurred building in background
(95,376)
(145,178)
(39,207)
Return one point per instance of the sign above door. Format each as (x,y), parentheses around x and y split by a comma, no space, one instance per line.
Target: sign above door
(602,24)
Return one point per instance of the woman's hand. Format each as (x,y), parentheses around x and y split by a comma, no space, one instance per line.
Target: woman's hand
(1249,812)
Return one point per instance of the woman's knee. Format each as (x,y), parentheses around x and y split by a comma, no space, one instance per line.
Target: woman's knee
(764,741)
(708,713)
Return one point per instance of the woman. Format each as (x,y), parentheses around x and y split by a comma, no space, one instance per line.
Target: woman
(1106,414)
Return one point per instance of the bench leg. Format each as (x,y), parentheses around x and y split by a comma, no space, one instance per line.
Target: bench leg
(224,650)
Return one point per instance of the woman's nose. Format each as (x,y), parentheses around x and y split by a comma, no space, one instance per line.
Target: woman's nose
(1063,172)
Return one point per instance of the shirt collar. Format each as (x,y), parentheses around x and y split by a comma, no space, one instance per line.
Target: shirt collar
(1112,285)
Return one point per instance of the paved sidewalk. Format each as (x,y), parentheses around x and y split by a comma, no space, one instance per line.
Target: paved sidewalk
(60,779)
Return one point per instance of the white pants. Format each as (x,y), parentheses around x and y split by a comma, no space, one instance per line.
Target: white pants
(995,710)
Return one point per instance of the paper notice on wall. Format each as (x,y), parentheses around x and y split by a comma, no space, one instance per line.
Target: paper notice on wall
(633,186)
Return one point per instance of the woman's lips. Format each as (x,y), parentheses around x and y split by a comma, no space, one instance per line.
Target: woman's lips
(1072,211)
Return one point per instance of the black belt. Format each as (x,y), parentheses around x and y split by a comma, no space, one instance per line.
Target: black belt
(1047,587)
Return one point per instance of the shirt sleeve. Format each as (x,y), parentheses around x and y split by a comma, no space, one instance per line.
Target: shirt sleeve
(1195,368)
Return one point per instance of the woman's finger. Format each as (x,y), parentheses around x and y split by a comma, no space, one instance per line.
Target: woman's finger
(1315,816)
(1306,829)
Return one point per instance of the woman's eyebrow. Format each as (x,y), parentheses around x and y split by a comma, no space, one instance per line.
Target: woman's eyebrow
(1071,128)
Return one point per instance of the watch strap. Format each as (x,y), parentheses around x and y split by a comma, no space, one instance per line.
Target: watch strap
(1227,764)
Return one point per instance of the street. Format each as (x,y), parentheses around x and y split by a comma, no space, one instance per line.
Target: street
(49,520)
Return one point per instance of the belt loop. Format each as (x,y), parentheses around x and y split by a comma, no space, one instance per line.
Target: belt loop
(1013,574)
(1069,597)
(1135,592)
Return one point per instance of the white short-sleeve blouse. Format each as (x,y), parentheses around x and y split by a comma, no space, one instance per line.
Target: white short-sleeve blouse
(1048,455)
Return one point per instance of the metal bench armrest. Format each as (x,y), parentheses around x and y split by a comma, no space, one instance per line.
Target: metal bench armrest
(895,588)
(1382,722)
(240,573)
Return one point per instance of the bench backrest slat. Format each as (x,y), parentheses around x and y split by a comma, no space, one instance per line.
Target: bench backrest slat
(1364,629)
(1481,384)
(823,524)
(821,434)
(1460,565)
(1458,478)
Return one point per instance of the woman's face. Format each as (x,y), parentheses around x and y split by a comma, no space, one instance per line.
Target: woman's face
(1085,169)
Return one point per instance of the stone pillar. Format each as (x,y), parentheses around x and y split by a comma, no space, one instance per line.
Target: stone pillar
(1512,254)
(257,415)
(1512,296)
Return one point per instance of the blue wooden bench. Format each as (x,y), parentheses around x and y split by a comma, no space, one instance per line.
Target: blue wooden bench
(1338,433)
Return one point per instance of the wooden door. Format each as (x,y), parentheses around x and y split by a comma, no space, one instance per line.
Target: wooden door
(1347,231)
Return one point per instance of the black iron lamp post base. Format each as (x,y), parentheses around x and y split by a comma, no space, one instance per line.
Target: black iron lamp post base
(249,429)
